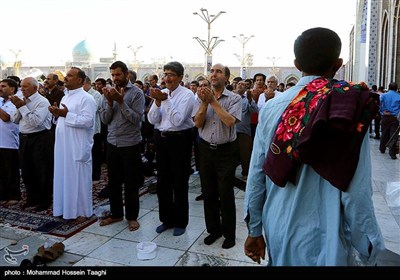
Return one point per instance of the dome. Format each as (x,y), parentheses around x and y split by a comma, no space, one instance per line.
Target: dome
(82,52)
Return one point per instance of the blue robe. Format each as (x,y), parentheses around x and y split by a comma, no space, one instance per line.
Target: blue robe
(311,223)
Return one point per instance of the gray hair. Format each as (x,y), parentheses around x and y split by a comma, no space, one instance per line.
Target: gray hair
(32,81)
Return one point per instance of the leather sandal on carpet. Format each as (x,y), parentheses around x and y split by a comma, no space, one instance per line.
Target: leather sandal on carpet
(133,225)
(109,221)
(51,253)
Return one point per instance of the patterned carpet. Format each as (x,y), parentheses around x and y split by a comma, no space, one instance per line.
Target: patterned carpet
(43,221)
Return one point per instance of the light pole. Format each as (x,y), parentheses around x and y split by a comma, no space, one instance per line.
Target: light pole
(114,52)
(135,61)
(211,42)
(274,59)
(158,65)
(245,59)
(17,63)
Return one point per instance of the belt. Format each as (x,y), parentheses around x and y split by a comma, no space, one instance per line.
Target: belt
(214,146)
(34,133)
(389,116)
(173,133)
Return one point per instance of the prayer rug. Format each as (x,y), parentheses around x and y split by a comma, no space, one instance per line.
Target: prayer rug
(44,221)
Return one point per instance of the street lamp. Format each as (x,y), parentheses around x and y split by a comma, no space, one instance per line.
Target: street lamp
(245,59)
(114,52)
(211,42)
(17,63)
(274,59)
(135,61)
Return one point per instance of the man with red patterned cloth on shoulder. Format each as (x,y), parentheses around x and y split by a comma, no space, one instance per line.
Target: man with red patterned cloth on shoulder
(309,190)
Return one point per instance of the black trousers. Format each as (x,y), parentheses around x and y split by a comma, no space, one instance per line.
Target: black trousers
(9,175)
(389,125)
(245,143)
(96,157)
(217,172)
(124,167)
(196,148)
(35,157)
(377,126)
(104,143)
(173,155)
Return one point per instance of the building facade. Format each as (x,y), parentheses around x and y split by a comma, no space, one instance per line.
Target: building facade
(375,43)
(82,57)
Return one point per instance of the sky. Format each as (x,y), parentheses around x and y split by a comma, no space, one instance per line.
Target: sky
(46,31)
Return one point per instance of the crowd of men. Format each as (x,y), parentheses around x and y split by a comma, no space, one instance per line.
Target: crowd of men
(59,138)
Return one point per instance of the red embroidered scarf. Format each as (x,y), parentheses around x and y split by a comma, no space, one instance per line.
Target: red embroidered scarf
(323,126)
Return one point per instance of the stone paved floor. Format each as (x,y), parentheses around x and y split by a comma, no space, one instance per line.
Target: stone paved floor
(114,245)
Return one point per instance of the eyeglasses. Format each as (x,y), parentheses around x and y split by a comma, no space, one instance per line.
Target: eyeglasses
(169,75)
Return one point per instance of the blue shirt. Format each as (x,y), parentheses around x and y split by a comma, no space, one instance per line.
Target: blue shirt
(244,126)
(9,138)
(390,101)
(311,223)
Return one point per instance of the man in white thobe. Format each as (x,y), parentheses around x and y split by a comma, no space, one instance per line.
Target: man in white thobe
(72,150)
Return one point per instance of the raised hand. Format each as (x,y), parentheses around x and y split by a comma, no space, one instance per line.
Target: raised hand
(158,94)
(269,93)
(116,95)
(249,95)
(58,112)
(207,95)
(18,102)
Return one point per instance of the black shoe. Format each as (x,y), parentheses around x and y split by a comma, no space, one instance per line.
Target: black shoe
(26,263)
(382,152)
(38,261)
(199,197)
(393,157)
(240,184)
(228,243)
(179,231)
(103,193)
(152,188)
(161,228)
(211,238)
(377,137)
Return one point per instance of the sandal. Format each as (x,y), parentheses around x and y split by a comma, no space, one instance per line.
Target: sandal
(109,221)
(133,225)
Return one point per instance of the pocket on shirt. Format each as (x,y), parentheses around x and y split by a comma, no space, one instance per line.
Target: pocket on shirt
(83,151)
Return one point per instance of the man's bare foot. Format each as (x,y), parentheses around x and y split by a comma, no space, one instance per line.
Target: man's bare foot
(133,225)
(109,221)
